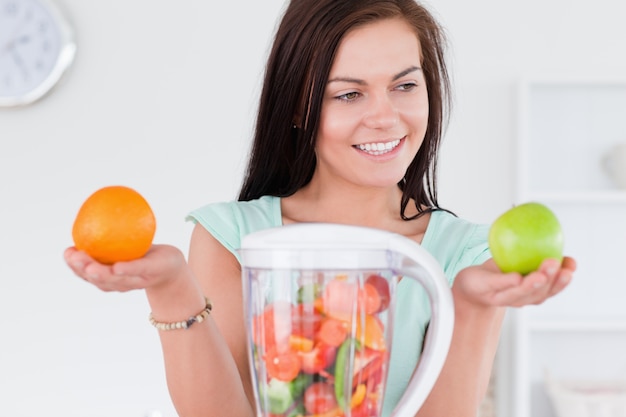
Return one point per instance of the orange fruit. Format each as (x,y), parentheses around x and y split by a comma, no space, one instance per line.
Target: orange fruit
(114,224)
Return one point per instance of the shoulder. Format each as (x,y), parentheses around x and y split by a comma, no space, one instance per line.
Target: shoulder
(262,210)
(456,242)
(229,221)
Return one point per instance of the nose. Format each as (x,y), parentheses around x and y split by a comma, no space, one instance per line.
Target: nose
(381,112)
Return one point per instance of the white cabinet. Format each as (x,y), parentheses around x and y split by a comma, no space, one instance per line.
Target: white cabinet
(565,129)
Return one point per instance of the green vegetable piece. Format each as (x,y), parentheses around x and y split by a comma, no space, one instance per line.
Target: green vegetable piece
(308,293)
(299,384)
(341,362)
(278,396)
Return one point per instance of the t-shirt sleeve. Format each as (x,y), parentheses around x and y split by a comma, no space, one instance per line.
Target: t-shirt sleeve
(456,243)
(230,221)
(476,249)
(219,219)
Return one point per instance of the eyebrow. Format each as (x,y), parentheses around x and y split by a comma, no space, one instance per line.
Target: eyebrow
(362,82)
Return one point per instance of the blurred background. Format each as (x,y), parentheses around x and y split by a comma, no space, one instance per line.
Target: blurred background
(162,97)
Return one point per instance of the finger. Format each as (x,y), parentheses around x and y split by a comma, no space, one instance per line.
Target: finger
(77,261)
(520,296)
(135,268)
(74,259)
(99,275)
(569,263)
(544,276)
(558,275)
(540,285)
(550,279)
(533,289)
(505,282)
(105,280)
(563,279)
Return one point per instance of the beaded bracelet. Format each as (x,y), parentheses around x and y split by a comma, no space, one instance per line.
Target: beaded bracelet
(198,318)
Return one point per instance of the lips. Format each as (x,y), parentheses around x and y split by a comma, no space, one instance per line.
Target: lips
(378,148)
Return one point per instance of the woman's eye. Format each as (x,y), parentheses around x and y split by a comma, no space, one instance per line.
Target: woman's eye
(353,95)
(407,86)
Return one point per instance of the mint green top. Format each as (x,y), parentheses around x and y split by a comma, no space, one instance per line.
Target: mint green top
(455,243)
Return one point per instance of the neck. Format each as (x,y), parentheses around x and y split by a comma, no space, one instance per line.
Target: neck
(365,206)
(376,207)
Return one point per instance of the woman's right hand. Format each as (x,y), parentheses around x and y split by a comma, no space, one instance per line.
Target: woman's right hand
(158,268)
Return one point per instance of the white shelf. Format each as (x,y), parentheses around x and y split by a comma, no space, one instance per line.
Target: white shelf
(586,197)
(576,326)
(566,129)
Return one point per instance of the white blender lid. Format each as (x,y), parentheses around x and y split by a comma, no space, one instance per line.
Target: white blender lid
(318,246)
(317,236)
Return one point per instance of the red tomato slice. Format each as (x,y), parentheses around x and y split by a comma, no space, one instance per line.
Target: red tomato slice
(273,328)
(261,332)
(318,359)
(372,301)
(333,332)
(339,299)
(340,295)
(368,365)
(382,287)
(283,366)
(319,398)
(305,320)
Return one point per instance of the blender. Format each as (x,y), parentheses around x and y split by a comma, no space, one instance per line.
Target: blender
(319,303)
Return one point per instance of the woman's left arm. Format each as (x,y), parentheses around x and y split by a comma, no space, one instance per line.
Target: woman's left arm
(481,294)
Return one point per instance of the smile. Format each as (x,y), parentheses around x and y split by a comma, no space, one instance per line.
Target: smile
(378,148)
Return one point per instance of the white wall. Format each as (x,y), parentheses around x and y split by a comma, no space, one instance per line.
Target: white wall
(496,43)
(161,98)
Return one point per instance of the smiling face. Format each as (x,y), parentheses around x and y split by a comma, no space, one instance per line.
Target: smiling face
(375,109)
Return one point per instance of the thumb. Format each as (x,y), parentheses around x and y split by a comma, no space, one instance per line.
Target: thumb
(487,278)
(160,259)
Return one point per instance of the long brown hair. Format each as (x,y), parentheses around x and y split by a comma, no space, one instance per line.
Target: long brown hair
(282,158)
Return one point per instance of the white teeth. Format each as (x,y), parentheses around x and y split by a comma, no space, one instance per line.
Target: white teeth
(378,148)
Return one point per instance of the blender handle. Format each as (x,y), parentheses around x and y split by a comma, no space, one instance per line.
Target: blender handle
(419,265)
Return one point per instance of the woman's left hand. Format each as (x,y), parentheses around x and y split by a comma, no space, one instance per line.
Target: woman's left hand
(486,285)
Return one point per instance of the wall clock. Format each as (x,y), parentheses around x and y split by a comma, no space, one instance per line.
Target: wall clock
(36,47)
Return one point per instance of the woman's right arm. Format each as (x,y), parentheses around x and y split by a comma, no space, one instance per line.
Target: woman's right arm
(203,376)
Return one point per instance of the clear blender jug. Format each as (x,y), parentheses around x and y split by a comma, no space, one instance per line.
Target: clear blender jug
(319,305)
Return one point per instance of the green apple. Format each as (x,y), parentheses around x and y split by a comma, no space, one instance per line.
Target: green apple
(524,236)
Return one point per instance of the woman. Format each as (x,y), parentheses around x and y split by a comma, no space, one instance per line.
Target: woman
(348,130)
